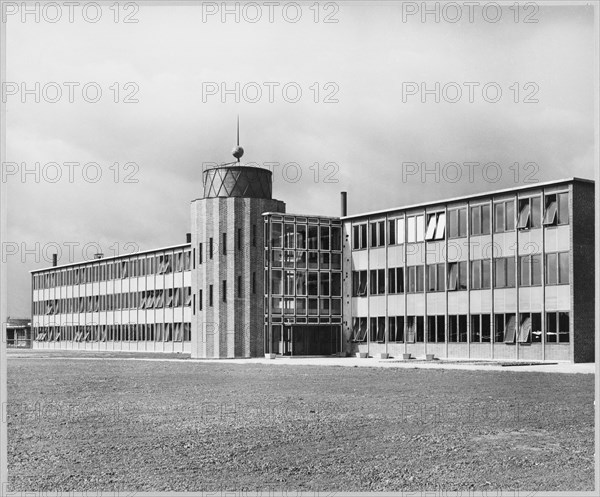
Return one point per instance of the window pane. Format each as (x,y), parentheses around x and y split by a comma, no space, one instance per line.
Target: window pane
(563,268)
(324,231)
(441,277)
(276,240)
(373,235)
(536,212)
(510,215)
(476,220)
(313,239)
(441,227)
(462,275)
(563,208)
(475,275)
(431,225)
(453,224)
(363,236)
(563,327)
(551,269)
(276,282)
(392,232)
(551,327)
(313,283)
(485,274)
(336,238)
(324,280)
(431,274)
(355,237)
(301,236)
(485,219)
(510,272)
(462,222)
(420,228)
(289,235)
(400,233)
(551,210)
(524,277)
(381,281)
(420,278)
(536,269)
(336,284)
(499,218)
(411,229)
(500,272)
(524,213)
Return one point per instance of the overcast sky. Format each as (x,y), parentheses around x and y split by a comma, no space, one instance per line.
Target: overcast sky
(368,129)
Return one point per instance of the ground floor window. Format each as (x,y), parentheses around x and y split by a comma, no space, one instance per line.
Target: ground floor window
(480,328)
(557,327)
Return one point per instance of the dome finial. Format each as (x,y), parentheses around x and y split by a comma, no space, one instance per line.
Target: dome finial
(238,151)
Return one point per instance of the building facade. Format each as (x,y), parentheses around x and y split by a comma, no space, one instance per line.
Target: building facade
(501,275)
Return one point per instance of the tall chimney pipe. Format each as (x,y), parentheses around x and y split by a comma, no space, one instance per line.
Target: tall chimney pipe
(54,260)
(344,199)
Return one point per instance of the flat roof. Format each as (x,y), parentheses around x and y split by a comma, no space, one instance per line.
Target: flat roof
(468,197)
(337,218)
(111,258)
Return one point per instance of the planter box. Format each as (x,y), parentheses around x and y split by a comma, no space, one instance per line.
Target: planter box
(406,356)
(430,357)
(270,356)
(383,355)
(342,354)
(362,355)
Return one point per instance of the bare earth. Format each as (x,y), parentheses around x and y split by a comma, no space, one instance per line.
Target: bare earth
(185,425)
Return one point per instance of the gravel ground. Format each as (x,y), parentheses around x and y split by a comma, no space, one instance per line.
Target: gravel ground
(182,425)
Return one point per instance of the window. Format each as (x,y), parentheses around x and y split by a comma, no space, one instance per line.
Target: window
(557,327)
(396,328)
(480,328)
(377,281)
(436,277)
(200,300)
(436,226)
(254,235)
(457,223)
(359,283)
(239,286)
(359,329)
(436,329)
(224,247)
(210,295)
(377,234)
(359,236)
(530,270)
(276,235)
(457,275)
(289,239)
(396,280)
(530,328)
(530,213)
(505,328)
(210,248)
(457,328)
(415,329)
(480,274)
(336,238)
(301,236)
(480,219)
(557,268)
(200,253)
(556,209)
(392,232)
(253,282)
(377,329)
(504,272)
(415,228)
(504,216)
(276,282)
(416,277)
(239,239)
(313,237)
(324,237)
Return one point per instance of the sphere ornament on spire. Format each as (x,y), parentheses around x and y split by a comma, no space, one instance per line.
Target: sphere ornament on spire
(237,152)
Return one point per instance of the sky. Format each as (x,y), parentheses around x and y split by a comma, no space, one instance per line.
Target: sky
(340,108)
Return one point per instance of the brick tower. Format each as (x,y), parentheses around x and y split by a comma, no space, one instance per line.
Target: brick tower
(227,231)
